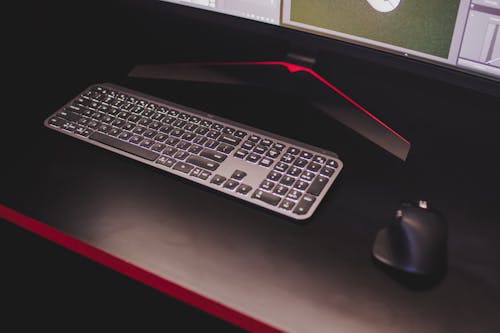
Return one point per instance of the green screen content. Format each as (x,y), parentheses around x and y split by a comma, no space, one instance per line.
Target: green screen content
(421,25)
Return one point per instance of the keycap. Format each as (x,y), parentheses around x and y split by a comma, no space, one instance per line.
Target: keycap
(124,146)
(266,197)
(231,184)
(238,175)
(233,140)
(218,179)
(213,155)
(166,161)
(317,185)
(203,162)
(304,204)
(244,189)
(183,167)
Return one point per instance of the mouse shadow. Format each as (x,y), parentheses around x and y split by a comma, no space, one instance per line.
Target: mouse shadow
(412,281)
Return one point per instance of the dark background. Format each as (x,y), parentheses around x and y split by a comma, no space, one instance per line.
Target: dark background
(55,49)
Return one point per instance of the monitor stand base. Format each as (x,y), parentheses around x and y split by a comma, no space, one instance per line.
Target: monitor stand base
(289,78)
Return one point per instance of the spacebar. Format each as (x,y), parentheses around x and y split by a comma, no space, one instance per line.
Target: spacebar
(125,146)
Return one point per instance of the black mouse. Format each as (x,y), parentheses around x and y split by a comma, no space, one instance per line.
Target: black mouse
(416,242)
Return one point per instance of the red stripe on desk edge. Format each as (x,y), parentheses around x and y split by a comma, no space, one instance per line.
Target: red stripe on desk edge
(134,272)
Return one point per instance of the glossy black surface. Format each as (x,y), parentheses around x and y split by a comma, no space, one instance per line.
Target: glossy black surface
(123,205)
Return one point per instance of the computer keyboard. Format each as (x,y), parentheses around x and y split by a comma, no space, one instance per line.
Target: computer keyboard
(277,173)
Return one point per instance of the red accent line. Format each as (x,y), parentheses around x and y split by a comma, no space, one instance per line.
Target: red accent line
(296,68)
(135,272)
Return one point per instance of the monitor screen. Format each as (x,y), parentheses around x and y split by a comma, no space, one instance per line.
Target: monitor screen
(460,34)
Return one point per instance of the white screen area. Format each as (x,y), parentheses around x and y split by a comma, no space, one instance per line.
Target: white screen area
(459,33)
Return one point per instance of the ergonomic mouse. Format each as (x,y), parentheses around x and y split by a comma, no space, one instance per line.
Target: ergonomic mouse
(416,242)
(384,6)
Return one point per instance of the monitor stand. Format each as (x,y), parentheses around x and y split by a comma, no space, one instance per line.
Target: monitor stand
(294,75)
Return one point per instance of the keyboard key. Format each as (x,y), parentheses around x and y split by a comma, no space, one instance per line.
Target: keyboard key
(139,130)
(217,127)
(218,179)
(226,138)
(241,153)
(300,162)
(266,142)
(319,159)
(281,190)
(136,139)
(69,115)
(147,143)
(177,132)
(166,161)
(294,194)
(200,140)
(204,175)
(181,155)
(170,151)
(155,125)
(172,141)
(266,197)
(305,204)
(274,175)
(281,167)
(317,185)
(287,204)
(161,137)
(287,180)
(254,158)
(279,146)
(332,163)
(293,151)
(125,136)
(231,184)
(195,149)
(225,148)
(273,153)
(307,175)
(228,130)
(203,162)
(294,171)
(244,189)
(313,166)
(240,134)
(183,167)
(327,171)
(158,147)
(301,185)
(205,123)
(267,162)
(211,144)
(260,149)
(307,155)
(56,122)
(150,134)
(212,134)
(267,185)
(184,145)
(288,158)
(238,175)
(213,155)
(254,138)
(124,146)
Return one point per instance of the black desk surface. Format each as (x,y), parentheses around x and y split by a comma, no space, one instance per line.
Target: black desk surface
(296,277)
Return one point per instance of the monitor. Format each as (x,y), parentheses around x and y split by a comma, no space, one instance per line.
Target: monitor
(461,35)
